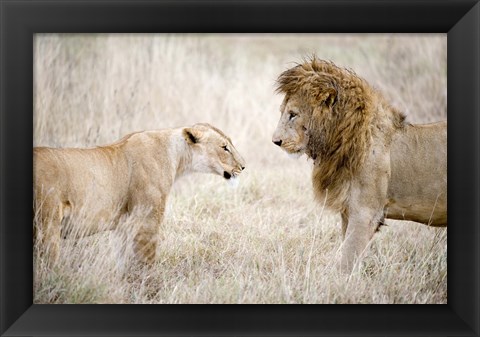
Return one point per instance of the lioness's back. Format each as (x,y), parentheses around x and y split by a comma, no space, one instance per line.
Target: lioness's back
(96,175)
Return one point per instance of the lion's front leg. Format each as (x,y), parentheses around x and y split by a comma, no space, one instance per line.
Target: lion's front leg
(363,215)
(360,230)
(344,215)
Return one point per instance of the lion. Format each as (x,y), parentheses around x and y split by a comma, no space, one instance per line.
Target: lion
(111,181)
(369,163)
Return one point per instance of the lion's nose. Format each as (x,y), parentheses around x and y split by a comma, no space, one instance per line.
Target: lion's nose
(277,142)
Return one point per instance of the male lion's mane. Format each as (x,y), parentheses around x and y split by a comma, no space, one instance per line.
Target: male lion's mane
(346,113)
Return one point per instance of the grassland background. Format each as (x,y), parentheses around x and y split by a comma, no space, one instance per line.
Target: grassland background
(266,241)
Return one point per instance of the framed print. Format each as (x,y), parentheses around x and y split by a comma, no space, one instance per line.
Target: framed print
(86,74)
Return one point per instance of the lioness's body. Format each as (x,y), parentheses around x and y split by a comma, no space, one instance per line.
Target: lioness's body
(107,182)
(406,200)
(369,163)
(56,184)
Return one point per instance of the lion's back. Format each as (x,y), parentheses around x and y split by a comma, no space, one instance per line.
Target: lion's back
(418,184)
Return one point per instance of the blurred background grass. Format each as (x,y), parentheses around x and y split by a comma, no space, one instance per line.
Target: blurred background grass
(267,241)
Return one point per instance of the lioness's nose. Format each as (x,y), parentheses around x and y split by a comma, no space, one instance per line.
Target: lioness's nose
(277,142)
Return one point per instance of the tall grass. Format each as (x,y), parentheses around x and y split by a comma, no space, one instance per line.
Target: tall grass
(266,241)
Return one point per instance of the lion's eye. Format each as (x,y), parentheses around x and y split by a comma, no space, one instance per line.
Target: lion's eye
(291,115)
(225,148)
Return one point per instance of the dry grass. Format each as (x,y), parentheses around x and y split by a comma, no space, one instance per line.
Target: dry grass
(266,241)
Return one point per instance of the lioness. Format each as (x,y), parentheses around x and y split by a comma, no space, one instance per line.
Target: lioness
(110,181)
(369,164)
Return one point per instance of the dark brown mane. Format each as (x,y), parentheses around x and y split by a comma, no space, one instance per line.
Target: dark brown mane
(344,115)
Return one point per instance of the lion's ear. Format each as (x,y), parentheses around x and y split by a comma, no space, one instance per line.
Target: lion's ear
(191,135)
(330,97)
(327,96)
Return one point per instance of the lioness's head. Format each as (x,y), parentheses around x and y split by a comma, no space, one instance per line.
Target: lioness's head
(213,152)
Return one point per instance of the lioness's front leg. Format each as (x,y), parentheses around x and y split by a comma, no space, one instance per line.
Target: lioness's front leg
(146,239)
(47,233)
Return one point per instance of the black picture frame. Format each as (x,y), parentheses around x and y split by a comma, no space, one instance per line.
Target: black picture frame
(20,20)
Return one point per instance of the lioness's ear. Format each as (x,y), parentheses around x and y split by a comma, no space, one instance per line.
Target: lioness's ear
(191,135)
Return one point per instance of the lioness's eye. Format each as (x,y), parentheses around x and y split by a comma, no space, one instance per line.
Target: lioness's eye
(291,115)
(225,148)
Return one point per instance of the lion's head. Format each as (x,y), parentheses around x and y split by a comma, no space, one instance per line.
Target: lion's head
(213,152)
(319,98)
(291,133)
(329,114)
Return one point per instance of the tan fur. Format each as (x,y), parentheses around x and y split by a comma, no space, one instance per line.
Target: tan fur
(369,164)
(111,181)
